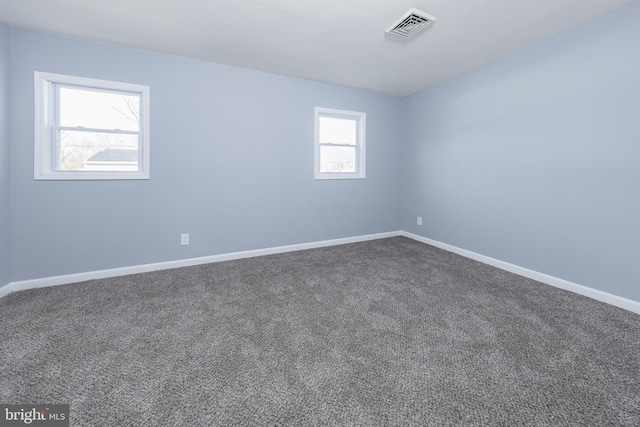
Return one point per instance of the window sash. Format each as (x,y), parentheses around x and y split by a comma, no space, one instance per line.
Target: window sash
(56,143)
(58,106)
(356,149)
(56,128)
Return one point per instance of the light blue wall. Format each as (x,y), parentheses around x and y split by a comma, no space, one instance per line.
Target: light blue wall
(231,164)
(534,159)
(5,248)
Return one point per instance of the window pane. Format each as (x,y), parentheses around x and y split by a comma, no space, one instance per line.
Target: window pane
(98,110)
(92,151)
(337,131)
(337,159)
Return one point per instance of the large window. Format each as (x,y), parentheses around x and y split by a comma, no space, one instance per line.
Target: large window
(339,144)
(90,129)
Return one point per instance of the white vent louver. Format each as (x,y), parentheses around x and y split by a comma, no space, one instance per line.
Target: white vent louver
(411,23)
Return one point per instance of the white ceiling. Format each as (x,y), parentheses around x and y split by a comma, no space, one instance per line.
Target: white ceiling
(335,41)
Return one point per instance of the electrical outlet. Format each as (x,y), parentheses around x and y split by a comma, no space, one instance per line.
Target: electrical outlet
(184,239)
(419,220)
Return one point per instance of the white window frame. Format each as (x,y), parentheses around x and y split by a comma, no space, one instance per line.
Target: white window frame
(361,127)
(44,122)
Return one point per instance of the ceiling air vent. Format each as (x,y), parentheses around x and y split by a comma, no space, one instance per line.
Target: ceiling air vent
(411,23)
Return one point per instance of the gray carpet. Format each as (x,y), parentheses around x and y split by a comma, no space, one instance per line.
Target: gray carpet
(387,332)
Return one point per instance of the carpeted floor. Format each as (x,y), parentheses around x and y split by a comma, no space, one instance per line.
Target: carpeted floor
(387,332)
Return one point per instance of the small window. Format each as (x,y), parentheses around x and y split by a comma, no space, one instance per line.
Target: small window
(90,129)
(339,144)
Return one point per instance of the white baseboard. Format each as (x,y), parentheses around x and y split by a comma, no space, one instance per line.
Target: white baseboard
(6,289)
(608,298)
(145,268)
